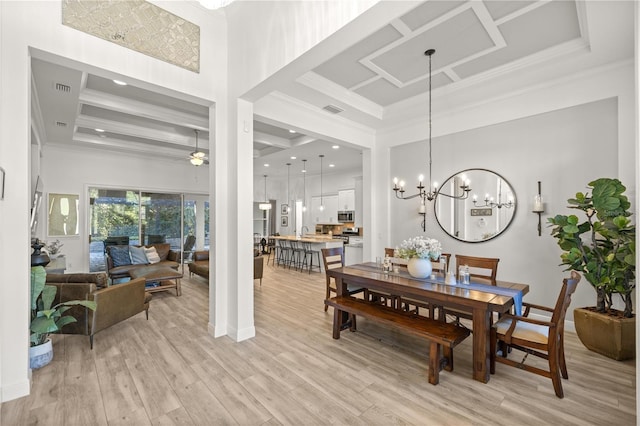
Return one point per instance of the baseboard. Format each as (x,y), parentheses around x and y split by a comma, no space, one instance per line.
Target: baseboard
(240,335)
(216,331)
(15,390)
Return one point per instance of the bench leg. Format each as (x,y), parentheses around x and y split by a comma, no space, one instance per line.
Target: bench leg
(337,322)
(448,356)
(434,363)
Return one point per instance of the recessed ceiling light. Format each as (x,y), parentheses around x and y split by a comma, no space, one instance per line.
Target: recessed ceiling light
(120,82)
(332,165)
(291,131)
(336,147)
(266,164)
(293,158)
(100,130)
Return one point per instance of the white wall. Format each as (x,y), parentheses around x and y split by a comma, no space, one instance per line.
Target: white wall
(38,24)
(68,171)
(564,149)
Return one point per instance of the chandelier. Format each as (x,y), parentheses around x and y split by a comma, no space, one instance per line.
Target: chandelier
(489,202)
(266,205)
(432,191)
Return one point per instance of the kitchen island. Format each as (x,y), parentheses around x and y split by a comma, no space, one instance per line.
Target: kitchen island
(316,242)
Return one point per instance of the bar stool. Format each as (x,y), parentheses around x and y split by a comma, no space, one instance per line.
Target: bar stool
(271,249)
(297,253)
(308,253)
(284,252)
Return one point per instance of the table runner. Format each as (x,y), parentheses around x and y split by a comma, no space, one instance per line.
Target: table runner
(485,288)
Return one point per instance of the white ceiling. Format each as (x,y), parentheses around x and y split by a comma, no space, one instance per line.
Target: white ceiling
(374,82)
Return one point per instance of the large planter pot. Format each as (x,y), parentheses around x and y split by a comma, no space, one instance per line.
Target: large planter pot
(419,268)
(40,355)
(610,335)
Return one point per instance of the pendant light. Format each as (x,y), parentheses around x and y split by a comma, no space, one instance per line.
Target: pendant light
(321,203)
(266,205)
(304,185)
(288,193)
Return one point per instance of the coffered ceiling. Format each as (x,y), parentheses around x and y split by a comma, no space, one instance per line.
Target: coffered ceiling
(482,48)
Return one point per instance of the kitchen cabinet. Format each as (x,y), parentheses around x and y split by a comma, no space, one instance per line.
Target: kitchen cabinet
(330,212)
(347,199)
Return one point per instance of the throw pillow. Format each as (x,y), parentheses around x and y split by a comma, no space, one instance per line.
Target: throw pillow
(120,255)
(152,254)
(137,256)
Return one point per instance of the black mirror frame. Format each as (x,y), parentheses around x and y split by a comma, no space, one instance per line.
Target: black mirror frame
(515,207)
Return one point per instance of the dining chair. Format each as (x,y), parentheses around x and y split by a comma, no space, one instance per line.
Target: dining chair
(481,270)
(333,258)
(544,339)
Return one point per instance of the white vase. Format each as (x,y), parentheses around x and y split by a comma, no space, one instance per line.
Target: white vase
(419,268)
(40,355)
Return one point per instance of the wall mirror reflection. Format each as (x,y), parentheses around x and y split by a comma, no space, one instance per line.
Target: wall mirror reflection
(485,214)
(63,215)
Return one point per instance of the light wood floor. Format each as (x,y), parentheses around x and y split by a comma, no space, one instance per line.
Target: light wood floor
(168,370)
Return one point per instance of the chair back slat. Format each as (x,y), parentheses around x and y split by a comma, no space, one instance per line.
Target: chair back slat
(480,268)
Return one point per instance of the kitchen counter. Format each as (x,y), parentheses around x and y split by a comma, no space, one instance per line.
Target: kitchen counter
(316,239)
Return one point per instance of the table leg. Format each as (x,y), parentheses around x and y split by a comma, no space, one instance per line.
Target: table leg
(481,324)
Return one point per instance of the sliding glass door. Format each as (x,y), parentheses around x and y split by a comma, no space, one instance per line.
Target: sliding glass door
(125,216)
(114,215)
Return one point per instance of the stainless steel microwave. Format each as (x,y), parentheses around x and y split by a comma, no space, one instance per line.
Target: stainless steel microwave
(345,216)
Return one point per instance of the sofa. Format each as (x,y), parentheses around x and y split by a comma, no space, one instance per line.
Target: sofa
(200,265)
(116,270)
(113,303)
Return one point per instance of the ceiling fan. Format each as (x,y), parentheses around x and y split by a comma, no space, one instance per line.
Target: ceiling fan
(197,157)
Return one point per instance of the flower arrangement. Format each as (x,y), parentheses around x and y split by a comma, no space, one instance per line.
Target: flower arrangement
(54,247)
(420,247)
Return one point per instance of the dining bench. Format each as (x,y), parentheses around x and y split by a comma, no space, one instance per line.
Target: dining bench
(439,333)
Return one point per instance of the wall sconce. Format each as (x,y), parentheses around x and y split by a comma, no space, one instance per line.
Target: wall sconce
(422,211)
(538,207)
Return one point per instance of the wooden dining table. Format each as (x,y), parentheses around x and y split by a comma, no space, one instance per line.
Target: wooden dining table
(482,303)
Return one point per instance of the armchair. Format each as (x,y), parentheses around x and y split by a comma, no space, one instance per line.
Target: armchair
(544,339)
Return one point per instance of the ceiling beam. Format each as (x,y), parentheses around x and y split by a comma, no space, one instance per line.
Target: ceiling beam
(142,109)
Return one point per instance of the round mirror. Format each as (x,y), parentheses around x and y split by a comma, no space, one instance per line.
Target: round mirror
(486,212)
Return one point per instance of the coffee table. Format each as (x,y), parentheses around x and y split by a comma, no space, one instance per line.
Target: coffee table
(167,278)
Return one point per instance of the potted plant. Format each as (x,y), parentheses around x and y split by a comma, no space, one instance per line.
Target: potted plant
(419,251)
(602,248)
(45,318)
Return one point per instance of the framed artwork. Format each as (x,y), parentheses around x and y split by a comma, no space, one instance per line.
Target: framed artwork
(284,208)
(284,221)
(481,212)
(63,215)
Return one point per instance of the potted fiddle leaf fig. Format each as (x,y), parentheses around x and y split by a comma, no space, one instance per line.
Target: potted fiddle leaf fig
(47,318)
(602,247)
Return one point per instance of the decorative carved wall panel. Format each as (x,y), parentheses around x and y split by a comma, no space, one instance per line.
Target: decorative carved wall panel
(138,25)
